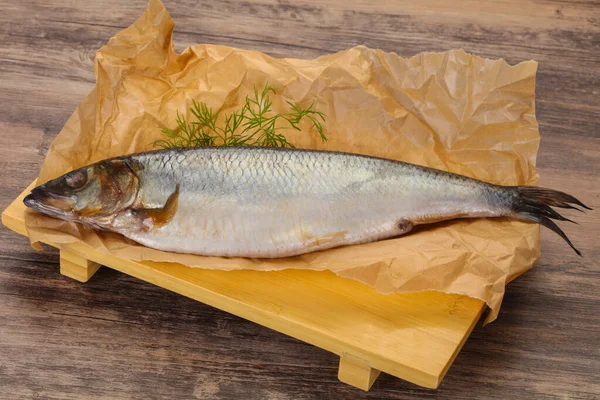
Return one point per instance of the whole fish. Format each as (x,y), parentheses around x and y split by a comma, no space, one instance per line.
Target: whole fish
(268,202)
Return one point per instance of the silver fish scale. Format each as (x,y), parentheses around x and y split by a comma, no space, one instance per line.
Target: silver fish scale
(263,202)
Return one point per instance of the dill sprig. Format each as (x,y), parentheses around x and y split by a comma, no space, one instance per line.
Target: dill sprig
(252,125)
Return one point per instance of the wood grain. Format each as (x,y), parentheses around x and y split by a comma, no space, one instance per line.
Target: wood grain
(116,337)
(412,336)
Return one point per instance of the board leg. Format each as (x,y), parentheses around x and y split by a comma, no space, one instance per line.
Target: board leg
(357,372)
(76,267)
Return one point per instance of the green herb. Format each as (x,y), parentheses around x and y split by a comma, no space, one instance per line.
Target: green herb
(252,125)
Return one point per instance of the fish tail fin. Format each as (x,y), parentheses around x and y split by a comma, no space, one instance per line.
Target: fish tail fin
(534,204)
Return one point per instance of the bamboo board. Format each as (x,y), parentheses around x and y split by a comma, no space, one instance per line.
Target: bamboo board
(412,336)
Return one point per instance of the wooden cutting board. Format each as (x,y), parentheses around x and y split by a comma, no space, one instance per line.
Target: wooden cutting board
(413,336)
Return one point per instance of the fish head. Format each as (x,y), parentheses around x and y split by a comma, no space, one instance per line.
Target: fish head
(92,195)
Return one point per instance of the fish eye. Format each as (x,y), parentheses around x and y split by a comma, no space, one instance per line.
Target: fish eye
(76,179)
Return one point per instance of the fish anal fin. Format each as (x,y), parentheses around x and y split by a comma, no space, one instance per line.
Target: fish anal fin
(405,225)
(157,217)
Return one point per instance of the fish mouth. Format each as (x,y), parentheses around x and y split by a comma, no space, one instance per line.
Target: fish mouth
(48,203)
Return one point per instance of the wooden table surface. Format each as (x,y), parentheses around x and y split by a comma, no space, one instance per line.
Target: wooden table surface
(116,337)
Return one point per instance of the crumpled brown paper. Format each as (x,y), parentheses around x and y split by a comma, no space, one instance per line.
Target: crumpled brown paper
(451,110)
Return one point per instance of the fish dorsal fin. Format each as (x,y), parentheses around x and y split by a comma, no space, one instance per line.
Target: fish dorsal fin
(157,217)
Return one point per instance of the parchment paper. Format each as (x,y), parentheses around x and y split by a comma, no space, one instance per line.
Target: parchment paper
(452,111)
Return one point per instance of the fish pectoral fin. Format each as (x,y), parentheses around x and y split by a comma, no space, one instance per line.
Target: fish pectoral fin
(157,217)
